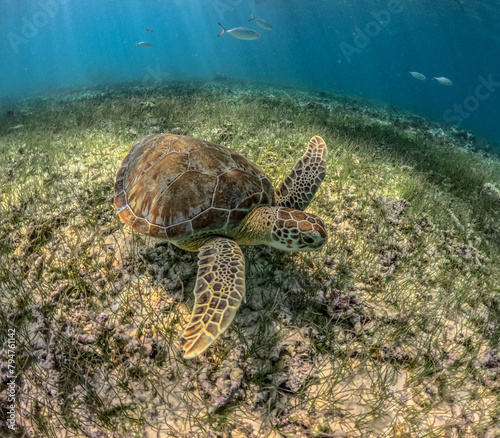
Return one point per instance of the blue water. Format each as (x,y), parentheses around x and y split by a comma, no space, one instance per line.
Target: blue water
(355,47)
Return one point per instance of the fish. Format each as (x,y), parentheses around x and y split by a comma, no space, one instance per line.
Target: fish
(148,29)
(261,23)
(144,44)
(241,33)
(417,75)
(444,81)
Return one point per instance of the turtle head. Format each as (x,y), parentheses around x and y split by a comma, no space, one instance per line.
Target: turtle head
(295,230)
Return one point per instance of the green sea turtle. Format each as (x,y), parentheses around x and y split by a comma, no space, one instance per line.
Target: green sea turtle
(204,197)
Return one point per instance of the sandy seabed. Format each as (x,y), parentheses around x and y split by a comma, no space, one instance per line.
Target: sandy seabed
(388,331)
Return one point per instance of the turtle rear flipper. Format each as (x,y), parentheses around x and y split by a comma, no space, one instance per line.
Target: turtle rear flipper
(219,290)
(299,188)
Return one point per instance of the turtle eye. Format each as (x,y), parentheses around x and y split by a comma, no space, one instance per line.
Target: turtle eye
(307,239)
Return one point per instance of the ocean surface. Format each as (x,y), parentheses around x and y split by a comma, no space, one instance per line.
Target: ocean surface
(354,47)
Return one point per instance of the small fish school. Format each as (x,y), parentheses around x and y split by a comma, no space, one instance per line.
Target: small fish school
(442,80)
(245,33)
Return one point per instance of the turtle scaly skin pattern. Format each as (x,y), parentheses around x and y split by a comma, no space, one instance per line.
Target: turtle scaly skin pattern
(204,197)
(304,180)
(216,303)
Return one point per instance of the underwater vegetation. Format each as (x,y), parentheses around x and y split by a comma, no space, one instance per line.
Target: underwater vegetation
(391,329)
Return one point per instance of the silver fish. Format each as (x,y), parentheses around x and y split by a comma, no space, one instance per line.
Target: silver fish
(148,29)
(417,75)
(261,23)
(144,44)
(444,81)
(241,33)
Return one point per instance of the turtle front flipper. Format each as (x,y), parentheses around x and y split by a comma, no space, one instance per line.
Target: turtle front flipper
(299,188)
(219,290)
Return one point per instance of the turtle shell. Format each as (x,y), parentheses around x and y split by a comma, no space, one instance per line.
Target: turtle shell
(176,187)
